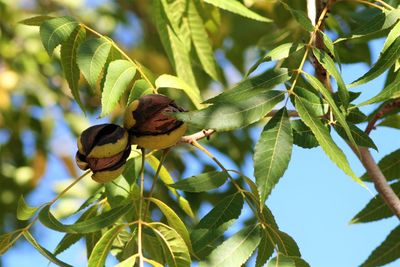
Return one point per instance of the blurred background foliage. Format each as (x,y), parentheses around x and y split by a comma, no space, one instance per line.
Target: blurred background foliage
(39,120)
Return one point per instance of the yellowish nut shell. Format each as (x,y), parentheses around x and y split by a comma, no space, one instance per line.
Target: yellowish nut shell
(160,141)
(129,121)
(107,176)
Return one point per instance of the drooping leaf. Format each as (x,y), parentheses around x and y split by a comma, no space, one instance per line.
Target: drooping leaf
(102,248)
(92,224)
(326,61)
(216,222)
(35,21)
(51,257)
(91,57)
(391,91)
(389,166)
(386,252)
(265,249)
(252,86)
(119,74)
(376,209)
(301,17)
(55,31)
(174,221)
(287,261)
(174,247)
(330,47)
(302,135)
(24,211)
(339,116)
(170,81)
(202,182)
(272,153)
(68,61)
(384,62)
(229,115)
(319,105)
(236,7)
(201,41)
(236,250)
(324,138)
(166,178)
(360,137)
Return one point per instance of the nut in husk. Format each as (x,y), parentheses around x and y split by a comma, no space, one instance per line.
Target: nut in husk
(150,124)
(103,149)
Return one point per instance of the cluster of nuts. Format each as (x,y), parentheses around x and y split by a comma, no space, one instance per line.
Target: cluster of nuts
(105,148)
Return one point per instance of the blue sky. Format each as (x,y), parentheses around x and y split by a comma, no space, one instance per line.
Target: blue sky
(313,202)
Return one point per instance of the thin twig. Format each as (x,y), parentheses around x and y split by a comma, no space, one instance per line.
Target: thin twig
(382,111)
(140,222)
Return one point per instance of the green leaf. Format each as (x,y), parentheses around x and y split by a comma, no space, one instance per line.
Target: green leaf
(326,61)
(229,115)
(330,47)
(166,178)
(376,209)
(68,61)
(56,31)
(93,224)
(216,222)
(236,7)
(283,51)
(252,86)
(174,221)
(389,166)
(129,262)
(265,249)
(287,261)
(119,74)
(392,121)
(35,21)
(8,239)
(286,244)
(375,24)
(44,251)
(301,17)
(391,91)
(236,250)
(384,62)
(202,182)
(392,36)
(360,137)
(324,138)
(272,153)
(103,247)
(319,105)
(91,57)
(24,211)
(302,135)
(140,88)
(69,239)
(174,247)
(386,252)
(170,81)
(201,41)
(314,82)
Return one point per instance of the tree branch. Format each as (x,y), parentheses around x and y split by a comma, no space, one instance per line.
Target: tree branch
(363,153)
